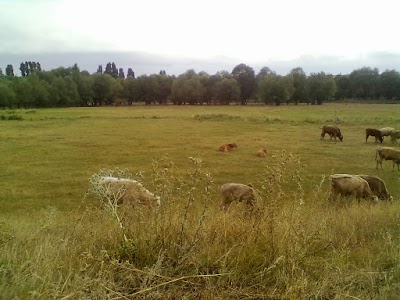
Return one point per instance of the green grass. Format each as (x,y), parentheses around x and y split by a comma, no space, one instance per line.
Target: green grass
(58,241)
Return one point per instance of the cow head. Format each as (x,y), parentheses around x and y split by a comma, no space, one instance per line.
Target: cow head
(341,137)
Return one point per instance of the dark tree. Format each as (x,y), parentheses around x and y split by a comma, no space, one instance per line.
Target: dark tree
(300,85)
(10,71)
(130,74)
(121,73)
(247,81)
(23,70)
(100,69)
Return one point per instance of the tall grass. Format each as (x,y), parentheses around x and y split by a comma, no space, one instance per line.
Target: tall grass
(292,246)
(61,239)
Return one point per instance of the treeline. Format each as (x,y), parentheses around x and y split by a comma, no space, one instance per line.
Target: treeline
(65,87)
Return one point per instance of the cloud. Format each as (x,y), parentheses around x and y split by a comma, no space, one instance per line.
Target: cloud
(147,63)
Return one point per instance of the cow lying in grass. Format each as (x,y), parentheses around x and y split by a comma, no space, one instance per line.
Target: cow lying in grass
(128,191)
(350,185)
(231,192)
(227,147)
(262,153)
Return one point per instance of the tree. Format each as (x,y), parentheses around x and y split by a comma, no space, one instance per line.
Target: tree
(1,72)
(300,85)
(389,84)
(364,83)
(23,70)
(7,95)
(276,88)
(111,70)
(320,87)
(10,71)
(102,88)
(100,69)
(130,73)
(226,90)
(343,89)
(121,73)
(38,92)
(246,78)
(187,88)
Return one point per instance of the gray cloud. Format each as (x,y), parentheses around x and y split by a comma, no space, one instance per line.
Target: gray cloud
(145,63)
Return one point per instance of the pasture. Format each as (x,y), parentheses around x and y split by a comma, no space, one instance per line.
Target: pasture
(58,241)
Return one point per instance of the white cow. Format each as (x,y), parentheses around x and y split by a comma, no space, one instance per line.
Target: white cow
(129,191)
(237,192)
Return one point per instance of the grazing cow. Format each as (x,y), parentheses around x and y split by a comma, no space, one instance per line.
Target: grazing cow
(378,187)
(350,185)
(373,132)
(237,192)
(333,131)
(386,153)
(128,191)
(394,136)
(227,147)
(386,131)
(262,153)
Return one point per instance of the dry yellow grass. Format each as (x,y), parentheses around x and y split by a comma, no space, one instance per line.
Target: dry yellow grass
(57,241)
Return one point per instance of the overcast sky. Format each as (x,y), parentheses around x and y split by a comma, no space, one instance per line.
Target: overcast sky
(176,35)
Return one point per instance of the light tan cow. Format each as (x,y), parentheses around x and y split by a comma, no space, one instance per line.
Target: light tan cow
(350,185)
(394,136)
(128,191)
(386,153)
(231,192)
(262,152)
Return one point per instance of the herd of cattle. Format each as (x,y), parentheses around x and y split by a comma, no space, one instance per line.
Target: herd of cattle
(129,191)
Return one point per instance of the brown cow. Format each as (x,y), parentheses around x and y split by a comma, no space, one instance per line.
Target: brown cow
(237,192)
(350,185)
(227,147)
(386,153)
(373,132)
(262,153)
(378,187)
(333,131)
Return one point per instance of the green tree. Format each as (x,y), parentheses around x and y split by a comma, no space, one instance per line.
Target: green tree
(276,88)
(102,88)
(343,89)
(188,88)
(300,85)
(364,83)
(10,71)
(246,78)
(389,84)
(320,87)
(39,92)
(226,90)
(8,97)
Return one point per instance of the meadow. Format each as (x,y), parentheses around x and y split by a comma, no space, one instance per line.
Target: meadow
(58,240)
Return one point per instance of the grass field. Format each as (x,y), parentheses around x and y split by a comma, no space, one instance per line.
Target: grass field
(58,241)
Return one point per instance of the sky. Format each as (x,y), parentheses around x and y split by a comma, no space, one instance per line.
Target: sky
(208,35)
